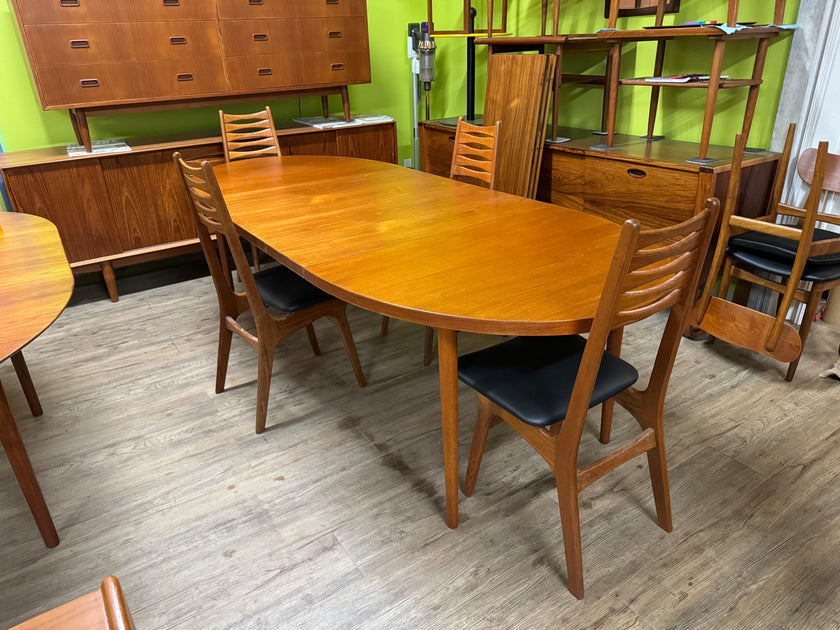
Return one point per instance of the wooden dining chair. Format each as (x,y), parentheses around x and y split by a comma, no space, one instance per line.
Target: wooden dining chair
(544,386)
(102,609)
(796,252)
(246,136)
(299,302)
(474,162)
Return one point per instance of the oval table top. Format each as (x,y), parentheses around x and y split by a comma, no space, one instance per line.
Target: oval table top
(424,248)
(35,279)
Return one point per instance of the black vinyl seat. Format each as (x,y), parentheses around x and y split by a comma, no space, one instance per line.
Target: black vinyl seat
(286,291)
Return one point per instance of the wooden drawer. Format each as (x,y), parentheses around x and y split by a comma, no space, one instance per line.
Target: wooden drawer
(260,9)
(67,86)
(186,77)
(334,34)
(161,10)
(63,11)
(265,37)
(656,196)
(436,148)
(333,8)
(265,72)
(339,68)
(57,44)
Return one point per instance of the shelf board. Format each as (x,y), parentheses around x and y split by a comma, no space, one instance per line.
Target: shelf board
(653,34)
(724,83)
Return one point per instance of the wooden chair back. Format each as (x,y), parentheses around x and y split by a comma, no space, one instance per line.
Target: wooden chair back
(248,135)
(650,272)
(474,155)
(212,219)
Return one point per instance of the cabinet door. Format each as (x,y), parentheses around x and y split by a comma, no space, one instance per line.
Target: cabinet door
(318,143)
(376,142)
(562,179)
(436,148)
(148,198)
(74,196)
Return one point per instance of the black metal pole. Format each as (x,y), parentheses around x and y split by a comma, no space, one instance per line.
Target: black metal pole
(471,69)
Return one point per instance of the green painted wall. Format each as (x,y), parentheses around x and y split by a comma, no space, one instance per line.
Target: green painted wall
(24,125)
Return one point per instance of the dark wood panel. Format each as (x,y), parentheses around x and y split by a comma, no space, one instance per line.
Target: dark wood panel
(436,147)
(562,179)
(74,196)
(148,198)
(322,143)
(372,143)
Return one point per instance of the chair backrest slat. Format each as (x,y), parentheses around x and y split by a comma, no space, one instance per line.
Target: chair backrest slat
(475,152)
(248,135)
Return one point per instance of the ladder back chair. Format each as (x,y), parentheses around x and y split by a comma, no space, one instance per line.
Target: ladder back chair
(544,386)
(797,252)
(247,136)
(300,302)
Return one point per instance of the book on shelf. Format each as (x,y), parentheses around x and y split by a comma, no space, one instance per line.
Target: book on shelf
(681,78)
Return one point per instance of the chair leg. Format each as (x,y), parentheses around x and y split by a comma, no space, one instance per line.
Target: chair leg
(607,408)
(340,320)
(805,328)
(566,477)
(255,256)
(225,336)
(265,361)
(313,340)
(659,481)
(428,345)
(384,326)
(482,427)
(26,383)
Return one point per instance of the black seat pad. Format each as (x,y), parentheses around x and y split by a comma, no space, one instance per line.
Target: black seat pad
(285,290)
(533,377)
(782,248)
(811,273)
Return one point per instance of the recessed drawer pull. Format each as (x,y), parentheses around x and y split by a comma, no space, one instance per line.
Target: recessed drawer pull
(451,139)
(89,83)
(332,1)
(79,43)
(178,41)
(68,3)
(171,3)
(255,2)
(335,34)
(264,72)
(636,172)
(185,76)
(260,37)
(338,66)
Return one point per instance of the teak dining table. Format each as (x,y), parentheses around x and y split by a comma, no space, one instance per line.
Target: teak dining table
(35,285)
(425,249)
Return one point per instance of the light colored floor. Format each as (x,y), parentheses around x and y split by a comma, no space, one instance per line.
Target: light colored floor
(333,518)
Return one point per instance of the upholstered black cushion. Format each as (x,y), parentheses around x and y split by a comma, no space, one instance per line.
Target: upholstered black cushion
(285,290)
(782,248)
(533,377)
(811,273)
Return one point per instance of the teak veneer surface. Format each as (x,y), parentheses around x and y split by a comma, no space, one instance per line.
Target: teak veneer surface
(35,279)
(422,248)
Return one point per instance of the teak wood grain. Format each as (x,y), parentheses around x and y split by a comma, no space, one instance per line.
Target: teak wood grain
(427,250)
(35,284)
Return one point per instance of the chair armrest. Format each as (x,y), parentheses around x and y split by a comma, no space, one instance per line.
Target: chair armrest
(828,246)
(768,228)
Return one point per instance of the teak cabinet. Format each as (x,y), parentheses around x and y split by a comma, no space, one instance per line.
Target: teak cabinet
(117,209)
(101,56)
(649,181)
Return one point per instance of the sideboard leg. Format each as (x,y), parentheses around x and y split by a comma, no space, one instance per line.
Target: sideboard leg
(325,105)
(80,127)
(110,280)
(345,100)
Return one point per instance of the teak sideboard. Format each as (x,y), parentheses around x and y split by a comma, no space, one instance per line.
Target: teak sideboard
(117,209)
(104,56)
(647,180)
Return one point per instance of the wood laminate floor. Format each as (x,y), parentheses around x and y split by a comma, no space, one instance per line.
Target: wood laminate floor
(333,518)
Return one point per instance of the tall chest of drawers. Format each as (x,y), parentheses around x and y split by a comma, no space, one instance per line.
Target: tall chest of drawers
(103,56)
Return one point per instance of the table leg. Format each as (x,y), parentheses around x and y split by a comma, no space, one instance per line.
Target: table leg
(22,467)
(448,370)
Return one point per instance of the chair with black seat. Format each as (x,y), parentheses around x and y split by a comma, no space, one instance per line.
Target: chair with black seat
(299,302)
(797,252)
(544,386)
(474,162)
(246,136)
